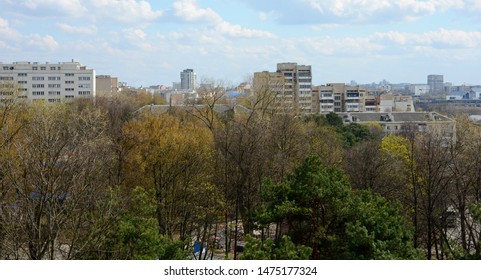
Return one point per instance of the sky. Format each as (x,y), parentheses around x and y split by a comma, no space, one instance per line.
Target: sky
(150,42)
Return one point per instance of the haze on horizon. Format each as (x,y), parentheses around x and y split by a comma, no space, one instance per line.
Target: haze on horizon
(150,42)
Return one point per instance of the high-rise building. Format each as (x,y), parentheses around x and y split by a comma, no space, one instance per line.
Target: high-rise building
(187,80)
(292,85)
(49,82)
(436,83)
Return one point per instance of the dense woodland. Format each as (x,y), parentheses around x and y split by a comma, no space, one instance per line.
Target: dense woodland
(103,180)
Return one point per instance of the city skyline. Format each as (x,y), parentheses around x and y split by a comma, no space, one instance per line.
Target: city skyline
(147,42)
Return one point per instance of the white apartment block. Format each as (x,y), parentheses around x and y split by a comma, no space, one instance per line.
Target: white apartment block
(47,82)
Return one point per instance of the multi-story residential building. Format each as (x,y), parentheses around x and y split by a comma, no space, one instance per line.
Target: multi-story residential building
(187,80)
(339,97)
(292,85)
(435,83)
(106,85)
(395,103)
(48,82)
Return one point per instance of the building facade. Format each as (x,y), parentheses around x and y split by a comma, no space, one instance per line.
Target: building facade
(435,83)
(339,97)
(47,82)
(291,85)
(106,85)
(187,80)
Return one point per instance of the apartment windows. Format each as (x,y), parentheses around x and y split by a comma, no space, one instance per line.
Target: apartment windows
(54,93)
(43,68)
(84,78)
(53,68)
(38,78)
(68,96)
(54,86)
(38,93)
(54,78)
(84,92)
(22,74)
(84,86)
(34,68)
(6,78)
(22,82)
(53,100)
(5,67)
(69,89)
(69,74)
(38,85)
(69,82)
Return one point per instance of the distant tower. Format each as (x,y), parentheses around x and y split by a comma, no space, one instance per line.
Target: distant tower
(187,80)
(435,83)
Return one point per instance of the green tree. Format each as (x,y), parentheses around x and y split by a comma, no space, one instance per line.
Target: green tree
(317,208)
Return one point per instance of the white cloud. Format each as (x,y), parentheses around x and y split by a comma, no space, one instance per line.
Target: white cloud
(7,32)
(188,10)
(263,16)
(126,10)
(355,11)
(54,7)
(46,42)
(442,38)
(87,30)
(235,30)
(135,34)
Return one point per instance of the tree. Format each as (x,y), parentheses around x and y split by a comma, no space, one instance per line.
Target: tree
(173,158)
(283,249)
(316,207)
(57,176)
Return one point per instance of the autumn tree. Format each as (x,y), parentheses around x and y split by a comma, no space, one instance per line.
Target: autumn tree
(57,177)
(173,158)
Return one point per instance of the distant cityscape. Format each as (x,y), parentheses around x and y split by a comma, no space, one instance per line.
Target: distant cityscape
(292,84)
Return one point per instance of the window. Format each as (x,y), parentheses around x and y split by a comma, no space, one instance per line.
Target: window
(54,86)
(34,68)
(69,89)
(6,78)
(69,82)
(54,78)
(43,68)
(84,78)
(38,93)
(69,74)
(22,74)
(84,86)
(53,68)
(22,82)
(52,100)
(38,85)
(68,96)
(5,67)
(38,78)
(84,92)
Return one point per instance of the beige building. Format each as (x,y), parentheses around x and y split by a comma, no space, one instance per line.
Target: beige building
(395,103)
(48,82)
(339,97)
(398,122)
(106,85)
(291,86)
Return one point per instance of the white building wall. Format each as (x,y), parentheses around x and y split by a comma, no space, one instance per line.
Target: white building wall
(50,82)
